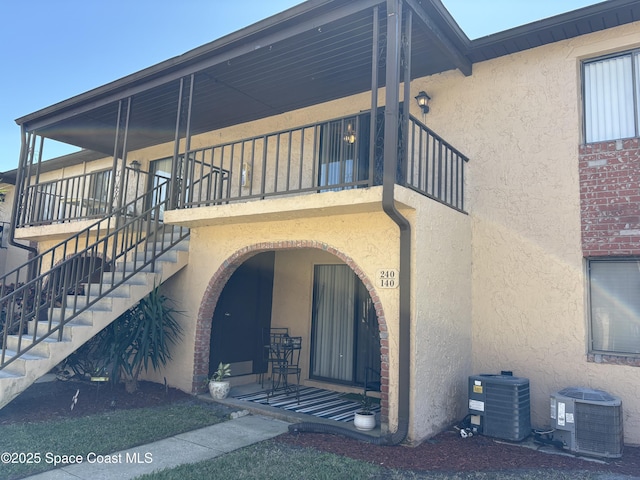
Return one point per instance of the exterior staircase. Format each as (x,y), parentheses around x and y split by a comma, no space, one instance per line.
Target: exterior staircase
(52,314)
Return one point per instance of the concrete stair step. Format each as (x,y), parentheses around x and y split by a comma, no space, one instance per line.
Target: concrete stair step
(43,348)
(49,352)
(25,356)
(67,331)
(111,278)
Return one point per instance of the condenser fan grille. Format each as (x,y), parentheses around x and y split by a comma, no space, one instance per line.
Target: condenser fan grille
(598,429)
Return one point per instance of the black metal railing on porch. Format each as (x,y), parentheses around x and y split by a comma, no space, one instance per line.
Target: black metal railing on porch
(319,157)
(59,284)
(316,158)
(433,167)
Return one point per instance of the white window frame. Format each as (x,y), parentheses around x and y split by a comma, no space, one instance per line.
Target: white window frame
(609,310)
(614,109)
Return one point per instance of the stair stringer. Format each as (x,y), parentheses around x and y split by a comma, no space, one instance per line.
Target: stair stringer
(24,371)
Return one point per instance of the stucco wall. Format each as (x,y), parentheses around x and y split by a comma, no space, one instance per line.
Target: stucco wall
(518,119)
(10,257)
(441,292)
(367,240)
(441,314)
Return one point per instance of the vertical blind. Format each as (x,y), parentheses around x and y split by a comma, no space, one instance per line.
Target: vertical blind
(333,335)
(610,109)
(615,306)
(339,148)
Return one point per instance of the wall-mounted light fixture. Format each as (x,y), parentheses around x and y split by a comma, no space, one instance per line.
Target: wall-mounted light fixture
(135,165)
(3,197)
(350,135)
(423,101)
(246,175)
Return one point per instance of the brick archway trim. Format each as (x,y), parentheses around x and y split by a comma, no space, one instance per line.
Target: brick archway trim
(223,274)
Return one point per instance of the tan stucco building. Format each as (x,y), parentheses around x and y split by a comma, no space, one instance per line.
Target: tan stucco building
(455,244)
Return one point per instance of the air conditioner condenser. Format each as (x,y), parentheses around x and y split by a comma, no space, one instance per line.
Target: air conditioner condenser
(499,406)
(587,421)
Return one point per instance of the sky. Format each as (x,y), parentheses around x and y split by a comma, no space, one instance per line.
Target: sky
(51,50)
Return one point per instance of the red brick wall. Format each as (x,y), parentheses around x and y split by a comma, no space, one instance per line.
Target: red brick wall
(610,198)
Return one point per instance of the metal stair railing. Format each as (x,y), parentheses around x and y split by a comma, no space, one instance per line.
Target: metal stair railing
(78,265)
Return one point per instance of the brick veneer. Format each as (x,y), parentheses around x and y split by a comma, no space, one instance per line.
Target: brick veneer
(610,209)
(222,275)
(610,198)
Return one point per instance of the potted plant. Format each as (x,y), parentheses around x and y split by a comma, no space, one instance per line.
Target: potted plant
(364,419)
(218,387)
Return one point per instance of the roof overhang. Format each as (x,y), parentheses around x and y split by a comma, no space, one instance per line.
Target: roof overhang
(317,51)
(608,14)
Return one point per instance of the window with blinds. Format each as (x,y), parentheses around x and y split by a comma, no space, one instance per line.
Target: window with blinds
(615,306)
(611,92)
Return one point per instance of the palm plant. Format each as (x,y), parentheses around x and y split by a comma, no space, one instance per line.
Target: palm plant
(141,338)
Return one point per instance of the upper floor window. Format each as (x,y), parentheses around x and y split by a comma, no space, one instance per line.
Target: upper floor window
(614,286)
(611,92)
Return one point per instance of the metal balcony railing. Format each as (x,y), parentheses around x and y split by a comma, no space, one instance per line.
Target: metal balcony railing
(434,167)
(79,197)
(315,158)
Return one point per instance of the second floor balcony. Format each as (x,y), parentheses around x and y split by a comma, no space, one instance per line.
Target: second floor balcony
(340,154)
(337,75)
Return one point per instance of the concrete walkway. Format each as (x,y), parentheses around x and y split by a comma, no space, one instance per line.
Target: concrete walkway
(189,447)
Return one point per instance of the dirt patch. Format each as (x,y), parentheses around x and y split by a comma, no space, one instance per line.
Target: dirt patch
(52,400)
(448,452)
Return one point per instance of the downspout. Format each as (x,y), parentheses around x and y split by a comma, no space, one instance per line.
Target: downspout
(18,195)
(389,178)
(394,22)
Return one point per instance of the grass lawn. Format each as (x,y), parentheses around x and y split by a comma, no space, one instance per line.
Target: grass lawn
(276,461)
(100,433)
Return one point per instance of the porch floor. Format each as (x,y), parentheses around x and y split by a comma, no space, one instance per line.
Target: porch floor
(316,405)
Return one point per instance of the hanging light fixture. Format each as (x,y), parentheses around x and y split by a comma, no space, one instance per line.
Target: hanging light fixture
(350,135)
(423,101)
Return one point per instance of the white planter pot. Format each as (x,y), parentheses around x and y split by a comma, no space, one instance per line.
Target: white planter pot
(365,421)
(219,390)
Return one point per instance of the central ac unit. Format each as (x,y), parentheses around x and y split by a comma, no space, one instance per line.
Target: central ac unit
(588,421)
(499,406)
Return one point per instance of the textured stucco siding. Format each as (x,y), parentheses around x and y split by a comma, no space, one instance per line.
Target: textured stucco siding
(441,292)
(518,119)
(367,241)
(441,315)
(10,257)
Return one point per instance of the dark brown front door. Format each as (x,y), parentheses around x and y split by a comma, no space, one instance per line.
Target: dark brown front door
(242,313)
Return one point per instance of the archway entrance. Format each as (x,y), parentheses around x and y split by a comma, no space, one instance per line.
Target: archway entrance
(292,304)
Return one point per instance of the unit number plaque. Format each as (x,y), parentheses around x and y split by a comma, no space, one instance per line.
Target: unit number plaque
(387,278)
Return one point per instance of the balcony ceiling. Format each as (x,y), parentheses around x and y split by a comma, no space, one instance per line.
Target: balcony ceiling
(315,52)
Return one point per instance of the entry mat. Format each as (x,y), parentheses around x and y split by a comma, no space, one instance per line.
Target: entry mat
(313,401)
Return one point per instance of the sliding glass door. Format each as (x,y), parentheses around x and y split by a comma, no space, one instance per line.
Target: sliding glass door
(345,338)
(344,152)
